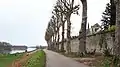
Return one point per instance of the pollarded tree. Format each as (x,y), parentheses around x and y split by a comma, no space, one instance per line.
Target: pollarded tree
(66,8)
(117,33)
(55,31)
(56,13)
(113,12)
(61,9)
(54,25)
(49,34)
(82,33)
(69,9)
(116,46)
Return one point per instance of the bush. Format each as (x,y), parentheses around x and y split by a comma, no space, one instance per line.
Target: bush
(107,52)
(107,62)
(112,28)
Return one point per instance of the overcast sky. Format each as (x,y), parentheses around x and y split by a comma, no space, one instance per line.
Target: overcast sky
(25,21)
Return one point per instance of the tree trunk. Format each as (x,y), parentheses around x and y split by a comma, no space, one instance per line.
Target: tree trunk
(57,34)
(116,50)
(68,34)
(49,42)
(57,45)
(48,45)
(63,31)
(82,34)
(113,13)
(55,42)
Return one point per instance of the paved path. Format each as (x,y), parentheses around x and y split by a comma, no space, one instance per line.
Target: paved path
(56,60)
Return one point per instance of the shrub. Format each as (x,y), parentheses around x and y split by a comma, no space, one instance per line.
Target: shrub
(112,28)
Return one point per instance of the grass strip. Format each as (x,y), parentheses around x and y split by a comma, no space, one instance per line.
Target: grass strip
(36,60)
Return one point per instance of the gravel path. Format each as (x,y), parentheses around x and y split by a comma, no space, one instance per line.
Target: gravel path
(57,60)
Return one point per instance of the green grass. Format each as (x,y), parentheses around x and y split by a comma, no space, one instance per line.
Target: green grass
(7,59)
(104,62)
(37,60)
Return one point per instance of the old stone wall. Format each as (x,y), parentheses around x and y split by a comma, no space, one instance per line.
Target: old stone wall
(95,41)
(99,42)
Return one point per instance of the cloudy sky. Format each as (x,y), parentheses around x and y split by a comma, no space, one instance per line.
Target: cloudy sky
(25,21)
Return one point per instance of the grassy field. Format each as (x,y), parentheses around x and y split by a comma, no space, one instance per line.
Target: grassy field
(7,59)
(37,60)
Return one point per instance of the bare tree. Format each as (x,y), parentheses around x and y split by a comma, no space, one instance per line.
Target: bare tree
(57,14)
(70,9)
(49,34)
(63,11)
(60,8)
(117,32)
(82,33)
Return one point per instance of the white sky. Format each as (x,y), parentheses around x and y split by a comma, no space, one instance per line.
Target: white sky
(25,21)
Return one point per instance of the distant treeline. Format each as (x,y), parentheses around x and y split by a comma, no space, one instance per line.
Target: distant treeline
(8,46)
(5,46)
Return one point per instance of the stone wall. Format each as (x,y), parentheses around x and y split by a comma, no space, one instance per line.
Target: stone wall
(95,41)
(98,42)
